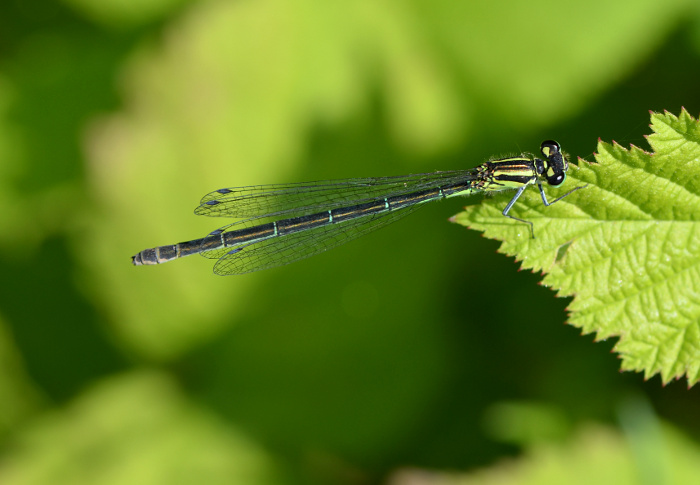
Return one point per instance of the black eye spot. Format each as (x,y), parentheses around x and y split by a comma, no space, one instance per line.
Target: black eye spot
(556,180)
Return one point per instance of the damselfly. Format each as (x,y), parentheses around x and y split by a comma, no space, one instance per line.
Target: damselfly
(289,222)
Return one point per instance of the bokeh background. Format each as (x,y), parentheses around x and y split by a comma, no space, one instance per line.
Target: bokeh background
(413,355)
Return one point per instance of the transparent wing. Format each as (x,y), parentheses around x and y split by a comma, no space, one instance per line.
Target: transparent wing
(293,247)
(291,200)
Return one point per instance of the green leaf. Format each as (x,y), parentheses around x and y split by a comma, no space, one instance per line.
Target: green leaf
(627,247)
(135,428)
(594,454)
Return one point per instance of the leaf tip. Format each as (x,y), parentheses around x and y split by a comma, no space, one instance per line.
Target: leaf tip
(580,159)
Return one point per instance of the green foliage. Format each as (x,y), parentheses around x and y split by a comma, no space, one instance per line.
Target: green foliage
(594,455)
(116,116)
(135,428)
(627,247)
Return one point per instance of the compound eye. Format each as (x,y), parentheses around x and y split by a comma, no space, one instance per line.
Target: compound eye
(550,148)
(556,180)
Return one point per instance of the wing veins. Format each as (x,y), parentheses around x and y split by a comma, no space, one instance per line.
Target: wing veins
(291,200)
(282,250)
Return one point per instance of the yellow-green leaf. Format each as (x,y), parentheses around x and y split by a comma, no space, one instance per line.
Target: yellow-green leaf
(626,248)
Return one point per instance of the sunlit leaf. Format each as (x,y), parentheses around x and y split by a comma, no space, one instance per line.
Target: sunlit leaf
(627,247)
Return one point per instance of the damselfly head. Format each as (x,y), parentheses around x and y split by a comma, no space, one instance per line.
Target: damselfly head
(556,163)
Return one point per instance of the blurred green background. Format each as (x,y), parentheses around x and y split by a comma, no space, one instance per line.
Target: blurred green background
(410,352)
